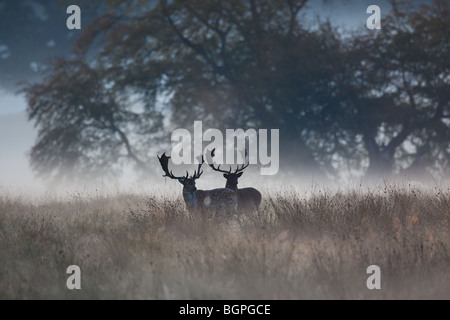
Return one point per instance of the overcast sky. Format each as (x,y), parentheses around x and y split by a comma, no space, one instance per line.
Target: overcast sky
(11,103)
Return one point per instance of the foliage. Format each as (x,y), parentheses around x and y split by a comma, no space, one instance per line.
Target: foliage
(374,100)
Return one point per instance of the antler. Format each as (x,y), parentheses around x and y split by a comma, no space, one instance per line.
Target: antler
(164,161)
(229,171)
(198,173)
(212,164)
(243,166)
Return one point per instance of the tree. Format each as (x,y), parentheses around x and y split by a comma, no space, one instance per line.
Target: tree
(86,123)
(397,89)
(229,63)
(254,63)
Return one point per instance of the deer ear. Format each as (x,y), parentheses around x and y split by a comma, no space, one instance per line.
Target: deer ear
(181,180)
(239,174)
(225,175)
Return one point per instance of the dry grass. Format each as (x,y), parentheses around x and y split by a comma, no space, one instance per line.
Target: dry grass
(133,247)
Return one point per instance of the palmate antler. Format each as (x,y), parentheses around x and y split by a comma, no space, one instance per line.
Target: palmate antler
(238,169)
(164,161)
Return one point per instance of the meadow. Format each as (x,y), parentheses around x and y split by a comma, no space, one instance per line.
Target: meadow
(137,246)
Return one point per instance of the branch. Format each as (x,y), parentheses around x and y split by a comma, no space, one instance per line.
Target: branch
(221,33)
(240,27)
(294,12)
(204,21)
(126,142)
(198,48)
(399,139)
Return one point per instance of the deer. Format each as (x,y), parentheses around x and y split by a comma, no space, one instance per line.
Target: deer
(247,198)
(219,201)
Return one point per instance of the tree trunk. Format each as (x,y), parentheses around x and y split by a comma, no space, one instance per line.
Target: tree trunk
(381,160)
(297,158)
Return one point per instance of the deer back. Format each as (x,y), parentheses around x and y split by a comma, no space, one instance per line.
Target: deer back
(248,198)
(217,198)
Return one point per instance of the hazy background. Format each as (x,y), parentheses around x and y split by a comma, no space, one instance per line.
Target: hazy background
(33,31)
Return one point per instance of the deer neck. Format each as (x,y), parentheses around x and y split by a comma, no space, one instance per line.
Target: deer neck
(230,185)
(190,198)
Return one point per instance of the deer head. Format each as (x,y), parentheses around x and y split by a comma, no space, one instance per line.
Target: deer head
(187,181)
(232,177)
(219,200)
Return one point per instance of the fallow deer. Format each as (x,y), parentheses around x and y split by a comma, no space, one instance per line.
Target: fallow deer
(247,198)
(218,200)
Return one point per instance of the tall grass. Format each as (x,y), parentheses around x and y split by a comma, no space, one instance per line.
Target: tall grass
(136,247)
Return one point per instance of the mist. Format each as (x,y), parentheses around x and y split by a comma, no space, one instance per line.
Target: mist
(19,135)
(361,155)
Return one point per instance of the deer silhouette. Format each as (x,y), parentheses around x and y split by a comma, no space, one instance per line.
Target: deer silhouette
(218,201)
(247,198)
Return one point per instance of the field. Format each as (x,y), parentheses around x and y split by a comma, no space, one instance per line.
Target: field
(132,246)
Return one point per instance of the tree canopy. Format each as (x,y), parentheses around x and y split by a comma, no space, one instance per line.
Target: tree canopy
(372,101)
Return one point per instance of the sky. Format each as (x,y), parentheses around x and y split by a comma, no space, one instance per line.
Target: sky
(11,103)
(17,136)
